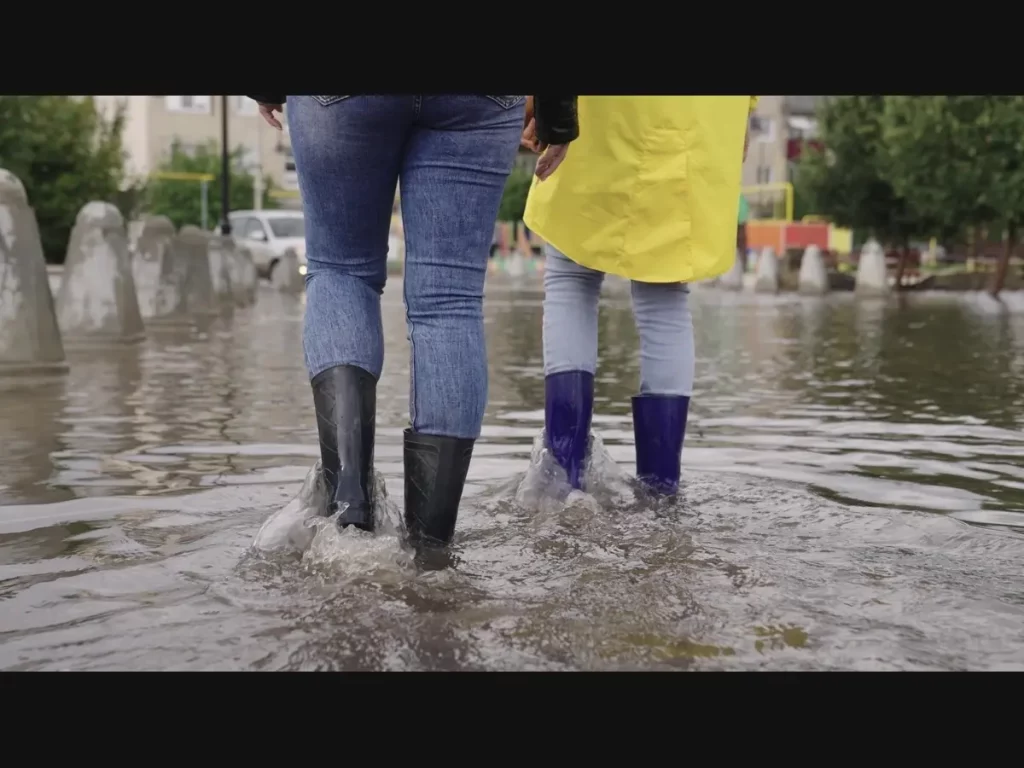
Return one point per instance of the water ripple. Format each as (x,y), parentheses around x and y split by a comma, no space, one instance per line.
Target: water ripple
(853,499)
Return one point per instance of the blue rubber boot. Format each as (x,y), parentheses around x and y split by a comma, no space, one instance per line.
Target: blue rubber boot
(659,425)
(568,406)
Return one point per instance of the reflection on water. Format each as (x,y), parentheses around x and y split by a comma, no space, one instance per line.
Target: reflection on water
(853,499)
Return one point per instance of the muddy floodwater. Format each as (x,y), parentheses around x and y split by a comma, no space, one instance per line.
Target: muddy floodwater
(854,499)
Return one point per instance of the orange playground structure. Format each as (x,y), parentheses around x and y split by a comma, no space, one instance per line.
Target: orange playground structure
(783,234)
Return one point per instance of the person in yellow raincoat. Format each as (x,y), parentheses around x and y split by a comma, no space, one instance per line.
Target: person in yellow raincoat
(650,192)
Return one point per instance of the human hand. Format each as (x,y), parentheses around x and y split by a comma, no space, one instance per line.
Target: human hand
(551,159)
(529,138)
(267,112)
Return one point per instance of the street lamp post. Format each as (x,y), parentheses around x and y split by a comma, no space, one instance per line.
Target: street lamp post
(225,168)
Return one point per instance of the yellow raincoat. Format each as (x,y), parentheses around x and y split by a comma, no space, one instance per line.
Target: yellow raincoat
(650,190)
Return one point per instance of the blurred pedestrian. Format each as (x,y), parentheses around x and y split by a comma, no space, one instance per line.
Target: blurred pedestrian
(453,154)
(741,231)
(649,192)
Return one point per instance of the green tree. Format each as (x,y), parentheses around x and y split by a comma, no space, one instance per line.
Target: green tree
(181,200)
(958,158)
(131,199)
(513,200)
(67,154)
(803,203)
(1006,142)
(849,181)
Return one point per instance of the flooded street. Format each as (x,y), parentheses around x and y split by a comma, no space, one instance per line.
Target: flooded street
(854,499)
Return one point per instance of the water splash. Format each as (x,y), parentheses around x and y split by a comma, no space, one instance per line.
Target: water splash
(303,528)
(545,489)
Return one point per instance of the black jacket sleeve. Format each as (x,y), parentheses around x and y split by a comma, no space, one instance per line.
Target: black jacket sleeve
(269,99)
(556,119)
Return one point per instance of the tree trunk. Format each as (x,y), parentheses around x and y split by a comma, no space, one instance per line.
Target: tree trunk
(901,264)
(999,276)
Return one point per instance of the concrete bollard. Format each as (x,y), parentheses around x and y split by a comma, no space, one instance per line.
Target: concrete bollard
(221,253)
(145,266)
(30,337)
(159,269)
(97,299)
(703,285)
(733,279)
(236,281)
(766,279)
(286,277)
(872,273)
(396,251)
(244,278)
(194,246)
(516,266)
(813,280)
(252,276)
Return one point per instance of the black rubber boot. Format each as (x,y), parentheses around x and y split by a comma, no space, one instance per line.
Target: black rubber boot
(435,474)
(345,398)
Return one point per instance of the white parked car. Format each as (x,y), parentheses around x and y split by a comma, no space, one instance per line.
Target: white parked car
(268,234)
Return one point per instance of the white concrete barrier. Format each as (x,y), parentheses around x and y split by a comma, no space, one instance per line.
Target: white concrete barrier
(766,279)
(221,253)
(159,268)
(286,277)
(733,279)
(872,273)
(30,337)
(145,267)
(194,246)
(244,278)
(97,299)
(516,265)
(813,280)
(396,249)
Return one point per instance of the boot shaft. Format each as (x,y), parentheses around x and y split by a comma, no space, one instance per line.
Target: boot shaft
(435,475)
(568,408)
(659,426)
(345,398)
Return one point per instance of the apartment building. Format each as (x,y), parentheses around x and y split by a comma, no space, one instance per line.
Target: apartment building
(781,127)
(155,123)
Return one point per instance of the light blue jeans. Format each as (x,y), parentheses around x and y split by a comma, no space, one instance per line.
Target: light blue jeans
(661,312)
(453,154)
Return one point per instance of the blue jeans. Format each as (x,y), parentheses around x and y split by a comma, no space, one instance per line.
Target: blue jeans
(452,154)
(661,311)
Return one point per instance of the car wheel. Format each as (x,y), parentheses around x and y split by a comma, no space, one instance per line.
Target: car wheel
(270,269)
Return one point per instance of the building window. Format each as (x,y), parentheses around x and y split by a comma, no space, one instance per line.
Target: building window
(199,105)
(246,106)
(762,129)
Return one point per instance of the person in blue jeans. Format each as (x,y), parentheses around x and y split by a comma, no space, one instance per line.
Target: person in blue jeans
(452,154)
